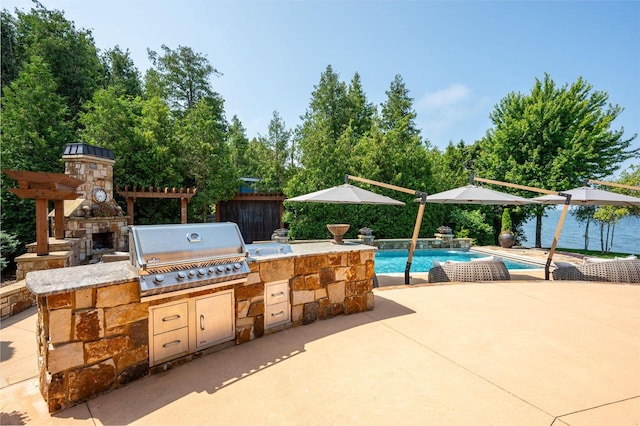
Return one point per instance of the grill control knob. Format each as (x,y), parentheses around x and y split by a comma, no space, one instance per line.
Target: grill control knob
(229,268)
(202,271)
(158,279)
(237,266)
(211,270)
(220,269)
(182,275)
(192,273)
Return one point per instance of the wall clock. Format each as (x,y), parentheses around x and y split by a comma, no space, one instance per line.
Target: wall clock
(99,195)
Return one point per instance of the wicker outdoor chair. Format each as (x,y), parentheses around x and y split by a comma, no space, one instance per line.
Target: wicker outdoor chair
(618,270)
(486,270)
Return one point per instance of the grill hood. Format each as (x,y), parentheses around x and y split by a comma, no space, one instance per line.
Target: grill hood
(154,246)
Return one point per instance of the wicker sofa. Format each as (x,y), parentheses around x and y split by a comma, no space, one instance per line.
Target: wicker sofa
(479,270)
(617,270)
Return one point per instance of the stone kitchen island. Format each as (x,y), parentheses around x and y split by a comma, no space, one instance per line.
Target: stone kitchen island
(95,333)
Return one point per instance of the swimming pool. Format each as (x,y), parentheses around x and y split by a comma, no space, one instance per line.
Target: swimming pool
(395,261)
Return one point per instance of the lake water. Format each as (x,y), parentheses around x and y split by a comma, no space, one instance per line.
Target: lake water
(626,237)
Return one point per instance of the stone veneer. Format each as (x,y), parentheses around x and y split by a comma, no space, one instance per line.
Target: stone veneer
(93,328)
(91,338)
(62,254)
(15,298)
(425,243)
(321,286)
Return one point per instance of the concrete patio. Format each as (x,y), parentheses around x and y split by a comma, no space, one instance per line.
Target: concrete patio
(518,352)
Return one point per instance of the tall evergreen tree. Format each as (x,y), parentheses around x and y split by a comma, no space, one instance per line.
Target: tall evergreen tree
(360,111)
(324,122)
(239,144)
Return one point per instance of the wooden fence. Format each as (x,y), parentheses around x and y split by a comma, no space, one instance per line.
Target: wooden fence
(257,215)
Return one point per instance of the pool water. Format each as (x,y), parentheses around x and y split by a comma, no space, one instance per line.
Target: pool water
(395,261)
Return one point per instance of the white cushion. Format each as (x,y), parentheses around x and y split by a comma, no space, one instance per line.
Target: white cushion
(596,260)
(436,263)
(563,264)
(484,259)
(630,257)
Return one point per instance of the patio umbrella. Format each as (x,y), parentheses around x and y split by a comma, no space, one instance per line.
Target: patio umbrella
(346,194)
(473,194)
(587,196)
(349,194)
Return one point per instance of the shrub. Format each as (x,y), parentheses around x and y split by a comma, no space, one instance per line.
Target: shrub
(507,225)
(8,248)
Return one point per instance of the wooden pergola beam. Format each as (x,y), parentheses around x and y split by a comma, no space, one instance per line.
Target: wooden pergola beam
(184,195)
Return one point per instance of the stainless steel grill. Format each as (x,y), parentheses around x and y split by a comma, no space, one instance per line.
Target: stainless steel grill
(176,257)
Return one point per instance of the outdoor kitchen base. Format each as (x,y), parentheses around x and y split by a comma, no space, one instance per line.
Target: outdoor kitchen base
(95,331)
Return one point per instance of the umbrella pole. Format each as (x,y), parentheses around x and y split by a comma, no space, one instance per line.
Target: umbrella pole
(414,238)
(557,234)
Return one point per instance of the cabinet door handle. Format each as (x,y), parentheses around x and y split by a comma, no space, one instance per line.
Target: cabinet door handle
(281,313)
(174,317)
(277,294)
(201,322)
(175,342)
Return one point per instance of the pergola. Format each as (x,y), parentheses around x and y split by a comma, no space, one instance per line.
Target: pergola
(43,187)
(180,193)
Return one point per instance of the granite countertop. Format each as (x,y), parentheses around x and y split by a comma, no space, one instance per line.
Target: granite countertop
(54,281)
(307,249)
(63,280)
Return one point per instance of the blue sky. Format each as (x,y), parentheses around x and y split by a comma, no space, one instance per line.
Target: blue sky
(457,58)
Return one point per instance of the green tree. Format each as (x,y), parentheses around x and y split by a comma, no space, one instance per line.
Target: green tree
(272,164)
(324,122)
(115,122)
(71,53)
(207,156)
(141,134)
(182,75)
(631,177)
(121,73)
(34,132)
(239,144)
(553,138)
(360,110)
(584,214)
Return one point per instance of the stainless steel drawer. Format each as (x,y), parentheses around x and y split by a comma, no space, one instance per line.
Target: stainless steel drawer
(170,317)
(277,292)
(276,314)
(170,344)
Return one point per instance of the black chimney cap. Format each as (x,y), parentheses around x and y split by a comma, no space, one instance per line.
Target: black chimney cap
(86,149)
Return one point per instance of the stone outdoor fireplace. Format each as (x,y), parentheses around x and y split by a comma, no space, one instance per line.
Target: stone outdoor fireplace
(95,219)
